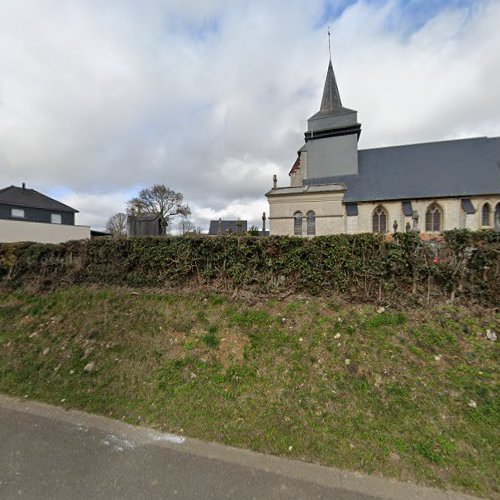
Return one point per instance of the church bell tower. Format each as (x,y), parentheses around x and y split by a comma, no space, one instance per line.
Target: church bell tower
(332,136)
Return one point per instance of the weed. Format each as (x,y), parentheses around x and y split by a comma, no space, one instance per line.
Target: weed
(249,318)
(427,451)
(293,307)
(188,345)
(216,300)
(201,316)
(211,338)
(436,336)
(386,319)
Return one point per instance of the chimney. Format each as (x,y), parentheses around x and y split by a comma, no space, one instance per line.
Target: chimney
(275,181)
(24,186)
(263,223)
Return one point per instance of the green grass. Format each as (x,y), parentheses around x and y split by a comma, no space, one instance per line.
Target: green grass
(210,338)
(313,379)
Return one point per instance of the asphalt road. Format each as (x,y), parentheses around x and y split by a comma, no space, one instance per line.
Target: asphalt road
(49,453)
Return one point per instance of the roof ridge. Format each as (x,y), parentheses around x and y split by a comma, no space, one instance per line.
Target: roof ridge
(229,220)
(430,142)
(44,198)
(51,199)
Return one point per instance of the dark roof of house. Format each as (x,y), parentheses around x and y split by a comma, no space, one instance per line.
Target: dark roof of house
(94,233)
(227,226)
(465,167)
(148,217)
(29,198)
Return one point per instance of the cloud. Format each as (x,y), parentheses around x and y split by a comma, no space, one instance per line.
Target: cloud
(211,97)
(92,207)
(237,209)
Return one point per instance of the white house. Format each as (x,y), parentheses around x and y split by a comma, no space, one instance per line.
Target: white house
(27,215)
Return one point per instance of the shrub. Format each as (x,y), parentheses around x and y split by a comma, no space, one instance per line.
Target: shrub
(362,266)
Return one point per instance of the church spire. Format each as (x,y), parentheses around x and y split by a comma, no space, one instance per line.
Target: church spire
(331,98)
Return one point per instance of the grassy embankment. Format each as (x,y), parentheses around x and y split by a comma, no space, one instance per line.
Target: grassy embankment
(408,394)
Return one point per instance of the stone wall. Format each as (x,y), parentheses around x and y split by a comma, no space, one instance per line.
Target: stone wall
(331,216)
(327,207)
(454,216)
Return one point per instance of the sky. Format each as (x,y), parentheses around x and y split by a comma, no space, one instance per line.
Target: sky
(100,98)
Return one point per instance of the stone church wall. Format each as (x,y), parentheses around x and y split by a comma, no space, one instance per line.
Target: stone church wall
(331,217)
(327,207)
(454,216)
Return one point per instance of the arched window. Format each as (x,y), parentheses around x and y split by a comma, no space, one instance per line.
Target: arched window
(380,220)
(486,215)
(433,218)
(497,217)
(311,223)
(297,224)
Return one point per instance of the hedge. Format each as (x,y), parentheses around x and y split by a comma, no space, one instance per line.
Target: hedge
(363,266)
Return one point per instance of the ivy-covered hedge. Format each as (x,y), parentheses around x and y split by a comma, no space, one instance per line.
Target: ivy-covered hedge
(363,266)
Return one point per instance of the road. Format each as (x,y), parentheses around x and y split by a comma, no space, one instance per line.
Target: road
(47,452)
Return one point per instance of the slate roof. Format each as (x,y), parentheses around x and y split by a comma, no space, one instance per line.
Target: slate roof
(148,217)
(331,97)
(227,226)
(331,104)
(457,168)
(99,234)
(29,198)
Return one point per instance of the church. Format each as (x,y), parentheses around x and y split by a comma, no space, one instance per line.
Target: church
(337,188)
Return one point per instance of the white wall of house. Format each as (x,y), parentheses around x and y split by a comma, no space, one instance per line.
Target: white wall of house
(13,231)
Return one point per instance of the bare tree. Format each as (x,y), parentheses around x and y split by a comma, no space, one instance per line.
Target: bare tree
(161,200)
(117,225)
(185,225)
(253,231)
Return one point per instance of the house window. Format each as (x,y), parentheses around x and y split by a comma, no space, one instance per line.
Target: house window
(486,215)
(379,220)
(311,223)
(433,218)
(56,218)
(17,212)
(297,224)
(497,216)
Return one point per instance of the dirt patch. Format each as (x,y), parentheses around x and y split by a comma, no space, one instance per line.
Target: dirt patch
(231,348)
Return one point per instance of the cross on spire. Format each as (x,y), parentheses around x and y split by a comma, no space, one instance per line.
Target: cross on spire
(329,44)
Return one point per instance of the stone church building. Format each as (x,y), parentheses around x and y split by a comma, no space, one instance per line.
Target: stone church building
(430,187)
